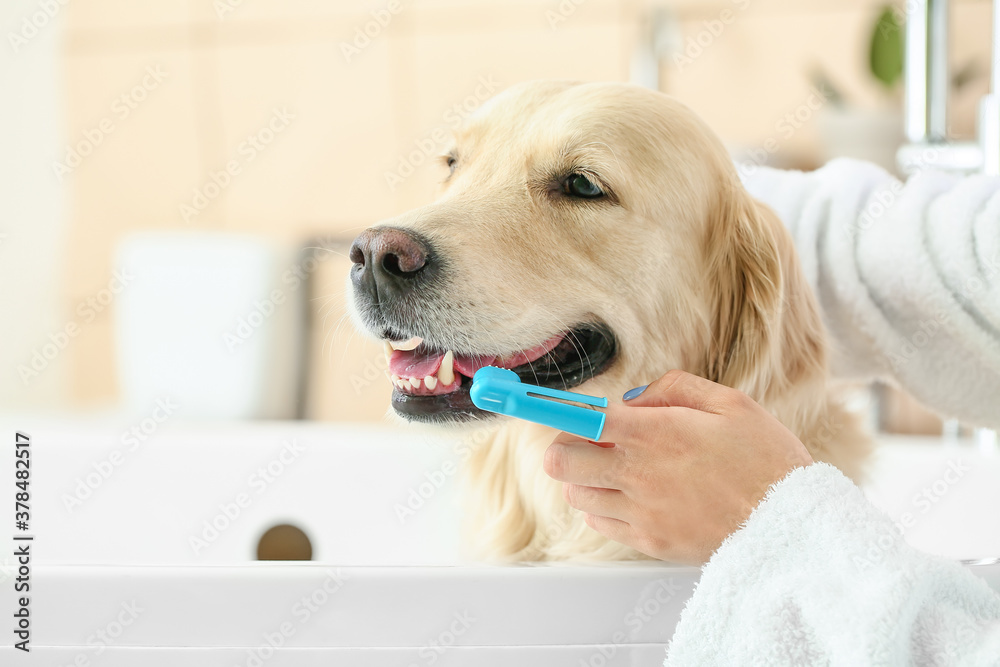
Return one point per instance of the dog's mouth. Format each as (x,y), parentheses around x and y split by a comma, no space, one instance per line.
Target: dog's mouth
(432,384)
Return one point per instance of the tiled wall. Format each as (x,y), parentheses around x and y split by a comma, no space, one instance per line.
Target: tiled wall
(199,81)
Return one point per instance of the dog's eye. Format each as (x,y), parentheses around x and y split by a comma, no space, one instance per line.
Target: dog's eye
(452,162)
(578,185)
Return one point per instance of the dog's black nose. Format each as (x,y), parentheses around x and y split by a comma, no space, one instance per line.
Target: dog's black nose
(388,260)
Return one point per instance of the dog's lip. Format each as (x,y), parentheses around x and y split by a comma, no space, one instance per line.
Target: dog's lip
(455,406)
(422,361)
(584,352)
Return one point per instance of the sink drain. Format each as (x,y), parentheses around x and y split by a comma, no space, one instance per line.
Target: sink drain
(284,542)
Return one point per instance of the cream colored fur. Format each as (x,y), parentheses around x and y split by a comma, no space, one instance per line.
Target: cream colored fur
(688,270)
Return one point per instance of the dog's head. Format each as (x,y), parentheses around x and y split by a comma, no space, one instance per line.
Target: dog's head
(585,234)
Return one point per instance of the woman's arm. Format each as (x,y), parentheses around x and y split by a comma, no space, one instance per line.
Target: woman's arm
(803,569)
(818,575)
(907,276)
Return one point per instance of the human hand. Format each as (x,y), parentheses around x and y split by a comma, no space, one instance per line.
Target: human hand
(691,459)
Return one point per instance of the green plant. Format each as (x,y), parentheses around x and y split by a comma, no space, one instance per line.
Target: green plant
(885,57)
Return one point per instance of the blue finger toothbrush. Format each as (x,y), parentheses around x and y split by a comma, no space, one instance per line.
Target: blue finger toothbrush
(501,391)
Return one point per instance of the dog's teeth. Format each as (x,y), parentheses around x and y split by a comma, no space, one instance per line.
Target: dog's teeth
(404,383)
(407,344)
(430,381)
(388,351)
(395,380)
(447,371)
(415,383)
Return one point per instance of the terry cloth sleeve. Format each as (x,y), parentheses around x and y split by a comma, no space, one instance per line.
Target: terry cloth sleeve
(907,276)
(819,576)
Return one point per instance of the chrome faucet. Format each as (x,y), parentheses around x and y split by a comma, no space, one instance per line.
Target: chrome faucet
(926,117)
(925,97)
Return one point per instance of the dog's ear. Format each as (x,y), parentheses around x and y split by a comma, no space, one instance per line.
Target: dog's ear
(766,329)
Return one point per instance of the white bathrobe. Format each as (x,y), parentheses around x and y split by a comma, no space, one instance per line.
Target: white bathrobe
(908,279)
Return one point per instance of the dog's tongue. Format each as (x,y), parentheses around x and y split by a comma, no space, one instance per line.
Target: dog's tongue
(419,363)
(414,364)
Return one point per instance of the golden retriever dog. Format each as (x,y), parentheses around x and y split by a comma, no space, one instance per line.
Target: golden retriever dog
(588,236)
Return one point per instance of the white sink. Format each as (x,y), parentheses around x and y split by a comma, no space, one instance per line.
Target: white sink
(477,615)
(120,578)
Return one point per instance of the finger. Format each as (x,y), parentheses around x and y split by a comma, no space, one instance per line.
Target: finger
(604,502)
(625,426)
(681,389)
(613,529)
(580,462)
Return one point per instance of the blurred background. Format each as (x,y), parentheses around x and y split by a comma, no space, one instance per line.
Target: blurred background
(180,179)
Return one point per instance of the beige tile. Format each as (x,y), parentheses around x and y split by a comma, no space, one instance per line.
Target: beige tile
(385,12)
(319,171)
(970,43)
(901,413)
(465,67)
(137,175)
(756,71)
(745,80)
(347,371)
(448,59)
(126,14)
(691,9)
(237,11)
(496,15)
(93,374)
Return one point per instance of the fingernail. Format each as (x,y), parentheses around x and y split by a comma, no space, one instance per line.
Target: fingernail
(633,393)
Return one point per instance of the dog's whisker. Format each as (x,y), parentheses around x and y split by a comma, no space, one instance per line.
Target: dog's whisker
(332,251)
(578,348)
